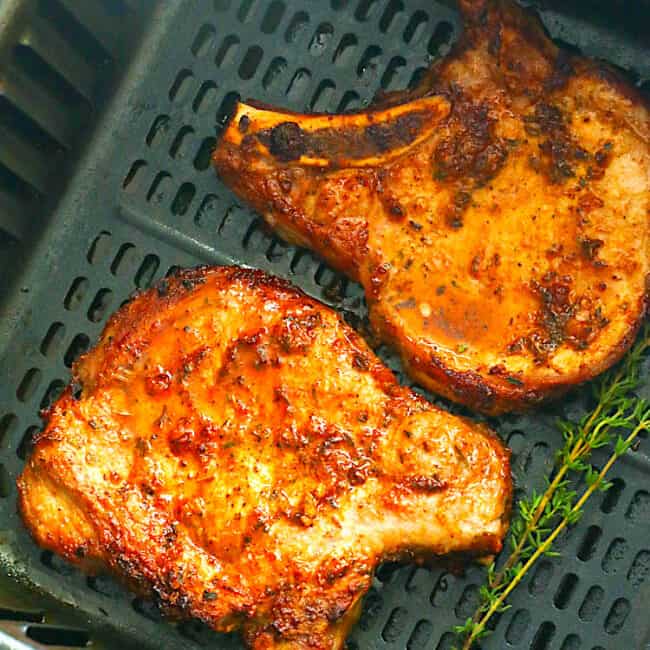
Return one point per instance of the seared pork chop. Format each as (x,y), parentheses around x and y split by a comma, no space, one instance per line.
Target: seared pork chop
(497,216)
(234,450)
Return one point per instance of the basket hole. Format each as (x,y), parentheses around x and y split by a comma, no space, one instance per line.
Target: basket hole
(145,274)
(591,603)
(158,130)
(226,53)
(349,102)
(421,636)
(203,155)
(53,339)
(467,602)
(173,271)
(133,178)
(5,482)
(393,8)
(543,636)
(147,609)
(368,63)
(245,9)
(365,9)
(323,95)
(76,293)
(373,603)
(589,543)
(181,86)
(99,248)
(20,615)
(105,585)
(273,16)
(518,626)
(615,555)
(537,459)
(612,496)
(541,578)
(416,27)
(572,642)
(250,62)
(8,424)
(160,188)
(274,72)
(447,641)
(124,258)
(205,97)
(321,39)
(345,49)
(26,444)
(181,144)
(617,616)
(640,569)
(29,384)
(297,27)
(565,590)
(203,40)
(207,213)
(60,636)
(222,5)
(100,305)
(53,392)
(298,84)
(440,39)
(395,65)
(183,198)
(395,625)
(77,347)
(276,251)
(416,77)
(639,509)
(226,109)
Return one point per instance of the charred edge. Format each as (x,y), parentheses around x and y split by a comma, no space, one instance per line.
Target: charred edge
(288,142)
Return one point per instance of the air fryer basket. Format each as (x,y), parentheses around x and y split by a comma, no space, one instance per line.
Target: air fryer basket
(108,113)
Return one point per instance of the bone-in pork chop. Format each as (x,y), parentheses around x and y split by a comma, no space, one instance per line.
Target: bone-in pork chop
(235,451)
(497,216)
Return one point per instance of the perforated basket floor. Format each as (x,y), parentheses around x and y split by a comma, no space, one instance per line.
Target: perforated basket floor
(143,200)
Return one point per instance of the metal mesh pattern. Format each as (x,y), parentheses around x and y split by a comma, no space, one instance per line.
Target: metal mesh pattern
(144,201)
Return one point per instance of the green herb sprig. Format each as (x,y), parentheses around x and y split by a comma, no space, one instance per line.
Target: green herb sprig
(542,517)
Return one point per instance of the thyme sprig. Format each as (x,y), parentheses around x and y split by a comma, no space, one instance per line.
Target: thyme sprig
(542,517)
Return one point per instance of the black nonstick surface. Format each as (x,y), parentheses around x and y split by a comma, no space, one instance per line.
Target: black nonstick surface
(106,187)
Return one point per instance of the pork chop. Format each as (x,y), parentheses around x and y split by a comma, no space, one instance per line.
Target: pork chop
(234,450)
(497,216)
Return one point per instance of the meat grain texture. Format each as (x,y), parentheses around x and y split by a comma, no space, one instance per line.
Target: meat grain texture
(497,216)
(235,451)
